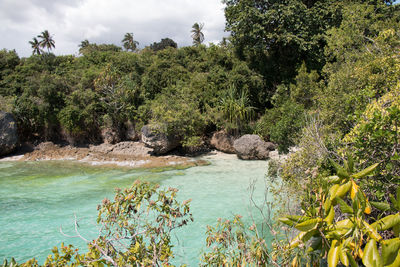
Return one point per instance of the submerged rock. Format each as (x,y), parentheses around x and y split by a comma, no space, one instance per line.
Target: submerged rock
(223,141)
(160,142)
(8,133)
(251,146)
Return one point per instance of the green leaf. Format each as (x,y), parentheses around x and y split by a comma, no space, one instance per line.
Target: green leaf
(343,256)
(333,254)
(386,222)
(343,206)
(390,250)
(398,197)
(343,189)
(334,179)
(331,215)
(333,190)
(365,172)
(371,257)
(286,221)
(342,173)
(308,225)
(382,206)
(352,261)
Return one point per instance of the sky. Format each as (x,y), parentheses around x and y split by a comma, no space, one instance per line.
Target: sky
(106,21)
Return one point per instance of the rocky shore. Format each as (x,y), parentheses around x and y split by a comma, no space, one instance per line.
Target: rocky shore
(124,154)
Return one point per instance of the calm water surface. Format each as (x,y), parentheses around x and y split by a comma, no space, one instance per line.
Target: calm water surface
(36,198)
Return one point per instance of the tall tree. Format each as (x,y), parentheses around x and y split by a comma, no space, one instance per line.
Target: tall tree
(35,44)
(84,44)
(197,34)
(47,40)
(129,43)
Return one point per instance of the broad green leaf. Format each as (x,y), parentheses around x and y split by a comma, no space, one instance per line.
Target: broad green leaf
(386,222)
(334,179)
(327,204)
(308,225)
(390,250)
(343,206)
(331,215)
(333,254)
(365,172)
(333,190)
(343,256)
(382,206)
(371,257)
(286,221)
(342,173)
(343,189)
(352,261)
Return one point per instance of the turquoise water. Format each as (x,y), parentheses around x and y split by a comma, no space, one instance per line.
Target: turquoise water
(36,198)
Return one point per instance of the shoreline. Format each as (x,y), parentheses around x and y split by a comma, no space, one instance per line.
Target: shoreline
(124,154)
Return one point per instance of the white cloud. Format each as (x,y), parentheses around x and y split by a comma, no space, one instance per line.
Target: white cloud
(105,21)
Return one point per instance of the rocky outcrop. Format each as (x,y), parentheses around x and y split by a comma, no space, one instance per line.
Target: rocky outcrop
(8,133)
(223,141)
(160,142)
(251,146)
(110,136)
(131,134)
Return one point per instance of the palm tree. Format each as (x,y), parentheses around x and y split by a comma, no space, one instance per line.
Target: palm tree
(129,43)
(35,46)
(47,40)
(84,44)
(197,34)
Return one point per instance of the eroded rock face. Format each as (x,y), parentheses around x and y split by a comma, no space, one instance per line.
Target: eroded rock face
(160,142)
(223,141)
(110,136)
(8,133)
(251,146)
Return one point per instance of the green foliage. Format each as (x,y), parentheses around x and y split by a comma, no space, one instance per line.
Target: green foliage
(376,138)
(351,238)
(283,124)
(136,230)
(163,44)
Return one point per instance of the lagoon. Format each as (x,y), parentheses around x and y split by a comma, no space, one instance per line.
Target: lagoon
(36,198)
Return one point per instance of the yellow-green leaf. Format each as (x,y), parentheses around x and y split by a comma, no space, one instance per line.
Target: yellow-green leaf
(343,256)
(365,172)
(371,257)
(343,206)
(343,189)
(352,261)
(331,215)
(333,254)
(308,225)
(386,222)
(390,250)
(382,206)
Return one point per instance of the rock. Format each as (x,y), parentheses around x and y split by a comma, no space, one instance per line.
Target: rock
(110,136)
(223,141)
(251,146)
(46,146)
(8,133)
(160,142)
(131,134)
(131,149)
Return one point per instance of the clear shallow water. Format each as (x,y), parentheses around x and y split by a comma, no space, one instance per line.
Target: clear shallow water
(37,197)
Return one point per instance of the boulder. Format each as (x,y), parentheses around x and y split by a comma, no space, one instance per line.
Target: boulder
(8,133)
(158,141)
(110,136)
(251,146)
(131,134)
(223,141)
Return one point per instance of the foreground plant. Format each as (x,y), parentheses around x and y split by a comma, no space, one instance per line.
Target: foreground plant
(135,230)
(339,229)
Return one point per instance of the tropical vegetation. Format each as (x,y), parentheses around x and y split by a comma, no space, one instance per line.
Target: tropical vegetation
(321,76)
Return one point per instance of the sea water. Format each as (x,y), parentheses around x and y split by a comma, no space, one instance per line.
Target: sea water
(37,198)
